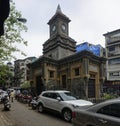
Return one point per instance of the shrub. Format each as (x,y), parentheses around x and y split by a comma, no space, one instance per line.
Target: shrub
(25,85)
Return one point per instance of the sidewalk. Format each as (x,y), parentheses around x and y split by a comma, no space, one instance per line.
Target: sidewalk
(4,120)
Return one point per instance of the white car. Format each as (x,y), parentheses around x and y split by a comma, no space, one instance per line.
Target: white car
(60,101)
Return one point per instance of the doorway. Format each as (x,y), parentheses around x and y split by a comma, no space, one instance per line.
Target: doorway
(91,88)
(39,85)
(64,81)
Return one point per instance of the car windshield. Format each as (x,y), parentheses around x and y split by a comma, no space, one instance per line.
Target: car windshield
(67,96)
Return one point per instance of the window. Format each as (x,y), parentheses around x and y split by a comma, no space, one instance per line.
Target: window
(111,110)
(67,96)
(92,76)
(50,55)
(114,74)
(114,61)
(48,95)
(54,95)
(111,48)
(51,95)
(22,64)
(77,72)
(51,74)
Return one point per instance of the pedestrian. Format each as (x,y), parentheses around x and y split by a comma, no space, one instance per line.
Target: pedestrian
(12,96)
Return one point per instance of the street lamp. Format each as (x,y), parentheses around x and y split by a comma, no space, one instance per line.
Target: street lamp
(23,20)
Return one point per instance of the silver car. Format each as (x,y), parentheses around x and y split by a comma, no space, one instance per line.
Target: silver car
(103,114)
(60,101)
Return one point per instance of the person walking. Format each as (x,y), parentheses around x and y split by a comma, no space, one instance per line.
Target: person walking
(12,96)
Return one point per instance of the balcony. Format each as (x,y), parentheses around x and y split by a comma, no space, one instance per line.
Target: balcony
(113,53)
(114,39)
(113,67)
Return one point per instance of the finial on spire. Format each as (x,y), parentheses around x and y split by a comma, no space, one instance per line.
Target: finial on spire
(58,9)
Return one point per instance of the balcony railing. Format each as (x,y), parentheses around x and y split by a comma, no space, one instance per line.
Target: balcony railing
(114,39)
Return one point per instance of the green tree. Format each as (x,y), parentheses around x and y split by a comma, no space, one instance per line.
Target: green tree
(25,85)
(4,72)
(12,35)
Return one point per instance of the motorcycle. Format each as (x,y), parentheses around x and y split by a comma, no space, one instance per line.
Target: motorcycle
(34,103)
(29,99)
(6,103)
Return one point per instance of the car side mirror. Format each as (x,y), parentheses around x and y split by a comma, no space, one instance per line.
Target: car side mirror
(58,98)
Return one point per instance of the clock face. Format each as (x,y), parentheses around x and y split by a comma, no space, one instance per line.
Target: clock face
(53,28)
(63,27)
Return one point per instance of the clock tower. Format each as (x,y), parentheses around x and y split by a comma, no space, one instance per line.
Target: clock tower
(59,45)
(59,23)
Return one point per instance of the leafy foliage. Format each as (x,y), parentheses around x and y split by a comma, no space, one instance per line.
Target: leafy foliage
(4,74)
(109,96)
(25,85)
(12,35)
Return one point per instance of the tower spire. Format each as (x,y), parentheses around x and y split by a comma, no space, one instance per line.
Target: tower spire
(58,9)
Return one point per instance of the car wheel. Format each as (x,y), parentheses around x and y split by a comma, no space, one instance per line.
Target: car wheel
(40,108)
(67,115)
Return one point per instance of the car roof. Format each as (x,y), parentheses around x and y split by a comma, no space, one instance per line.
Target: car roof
(55,91)
(111,101)
(102,104)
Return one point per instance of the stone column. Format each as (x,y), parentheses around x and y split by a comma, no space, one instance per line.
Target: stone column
(86,75)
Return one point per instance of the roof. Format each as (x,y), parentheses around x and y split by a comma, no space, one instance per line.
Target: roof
(112,32)
(59,14)
(29,58)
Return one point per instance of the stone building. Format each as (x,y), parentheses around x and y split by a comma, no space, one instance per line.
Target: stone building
(61,67)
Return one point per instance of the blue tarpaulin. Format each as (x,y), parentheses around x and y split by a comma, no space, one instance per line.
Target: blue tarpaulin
(95,49)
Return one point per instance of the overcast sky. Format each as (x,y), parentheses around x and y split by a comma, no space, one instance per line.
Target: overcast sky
(90,19)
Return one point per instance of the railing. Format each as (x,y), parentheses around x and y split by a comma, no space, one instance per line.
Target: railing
(96,100)
(114,39)
(104,98)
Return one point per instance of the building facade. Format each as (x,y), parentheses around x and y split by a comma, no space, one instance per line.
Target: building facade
(21,72)
(62,67)
(11,74)
(113,59)
(113,55)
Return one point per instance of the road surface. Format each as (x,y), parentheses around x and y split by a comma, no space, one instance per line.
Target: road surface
(22,115)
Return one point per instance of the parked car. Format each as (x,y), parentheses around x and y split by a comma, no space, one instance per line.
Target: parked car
(2,94)
(60,101)
(103,114)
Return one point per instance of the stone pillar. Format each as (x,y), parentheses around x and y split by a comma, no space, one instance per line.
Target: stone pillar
(86,75)
(102,77)
(85,66)
(44,75)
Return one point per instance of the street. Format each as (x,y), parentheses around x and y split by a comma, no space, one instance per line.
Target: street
(22,115)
